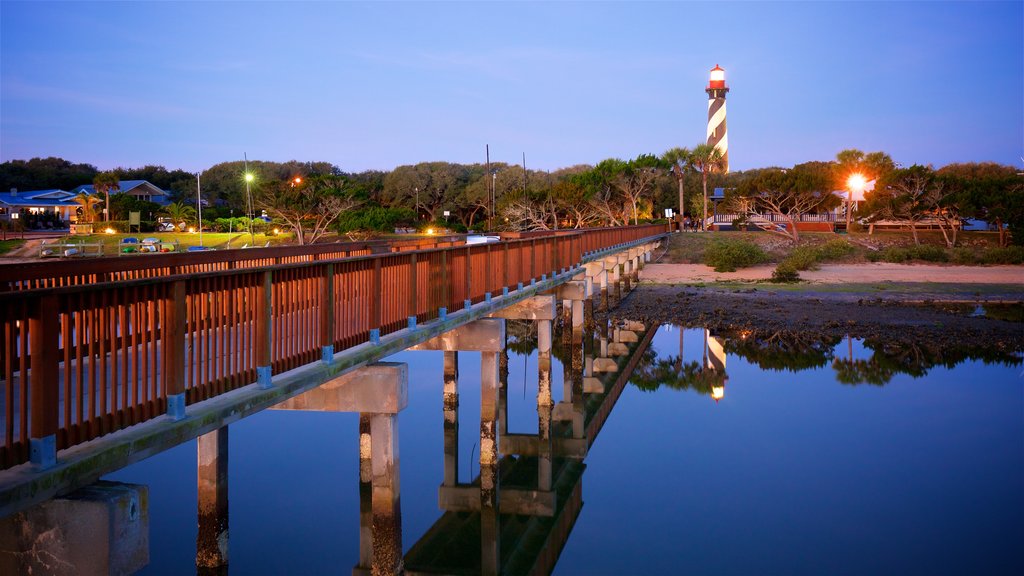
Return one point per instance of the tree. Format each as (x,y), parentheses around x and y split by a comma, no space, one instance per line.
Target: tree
(426,187)
(123,204)
(522,211)
(635,179)
(679,161)
(44,173)
(179,213)
(104,183)
(705,158)
(870,167)
(309,207)
(788,194)
(87,206)
(908,195)
(603,195)
(990,192)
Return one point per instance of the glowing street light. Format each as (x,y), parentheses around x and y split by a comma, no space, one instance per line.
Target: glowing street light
(857,182)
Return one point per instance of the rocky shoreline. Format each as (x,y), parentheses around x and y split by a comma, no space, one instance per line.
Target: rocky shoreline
(943,319)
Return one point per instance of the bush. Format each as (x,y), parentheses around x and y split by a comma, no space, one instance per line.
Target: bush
(808,257)
(1003,255)
(835,249)
(803,258)
(785,272)
(900,254)
(726,255)
(963,256)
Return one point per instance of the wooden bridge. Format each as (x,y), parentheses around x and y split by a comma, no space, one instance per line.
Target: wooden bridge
(108,361)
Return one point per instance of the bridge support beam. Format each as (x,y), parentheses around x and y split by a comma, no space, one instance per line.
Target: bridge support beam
(451,418)
(212,484)
(100,529)
(544,405)
(490,529)
(485,335)
(380,513)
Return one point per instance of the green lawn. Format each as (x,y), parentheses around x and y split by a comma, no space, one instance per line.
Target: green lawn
(8,245)
(216,240)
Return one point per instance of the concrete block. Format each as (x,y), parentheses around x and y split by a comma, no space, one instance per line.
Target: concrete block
(627,336)
(605,365)
(617,349)
(380,388)
(486,335)
(100,529)
(592,385)
(535,308)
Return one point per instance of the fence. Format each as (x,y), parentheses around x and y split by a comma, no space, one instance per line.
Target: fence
(91,356)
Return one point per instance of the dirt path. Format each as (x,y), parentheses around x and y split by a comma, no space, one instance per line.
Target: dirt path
(842,273)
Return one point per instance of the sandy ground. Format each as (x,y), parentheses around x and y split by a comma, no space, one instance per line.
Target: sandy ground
(842,273)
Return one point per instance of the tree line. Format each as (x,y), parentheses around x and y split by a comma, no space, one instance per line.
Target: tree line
(313,198)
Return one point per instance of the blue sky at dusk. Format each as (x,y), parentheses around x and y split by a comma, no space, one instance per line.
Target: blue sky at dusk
(373,86)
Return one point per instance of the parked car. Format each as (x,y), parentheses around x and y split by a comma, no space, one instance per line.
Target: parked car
(481,239)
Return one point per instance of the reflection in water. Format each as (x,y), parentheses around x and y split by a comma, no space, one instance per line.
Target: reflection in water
(515,517)
(706,377)
(803,350)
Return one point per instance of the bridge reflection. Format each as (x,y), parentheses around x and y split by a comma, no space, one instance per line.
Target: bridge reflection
(516,515)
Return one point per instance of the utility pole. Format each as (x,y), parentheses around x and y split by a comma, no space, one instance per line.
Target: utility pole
(199,208)
(490,186)
(524,172)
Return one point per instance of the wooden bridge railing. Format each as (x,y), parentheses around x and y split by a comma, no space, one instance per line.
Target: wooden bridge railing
(51,274)
(83,360)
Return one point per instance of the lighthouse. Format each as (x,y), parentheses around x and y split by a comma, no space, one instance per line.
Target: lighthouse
(716,114)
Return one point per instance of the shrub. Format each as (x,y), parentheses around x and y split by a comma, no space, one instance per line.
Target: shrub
(963,255)
(808,257)
(834,249)
(726,255)
(1003,255)
(900,254)
(929,253)
(803,258)
(785,272)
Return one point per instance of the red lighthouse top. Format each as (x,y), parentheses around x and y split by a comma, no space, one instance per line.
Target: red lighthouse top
(717,81)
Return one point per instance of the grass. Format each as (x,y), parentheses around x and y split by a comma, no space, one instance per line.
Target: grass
(8,245)
(216,240)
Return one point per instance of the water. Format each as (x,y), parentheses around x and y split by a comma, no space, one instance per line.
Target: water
(919,468)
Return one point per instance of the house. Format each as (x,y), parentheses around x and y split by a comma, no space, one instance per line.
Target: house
(47,208)
(140,189)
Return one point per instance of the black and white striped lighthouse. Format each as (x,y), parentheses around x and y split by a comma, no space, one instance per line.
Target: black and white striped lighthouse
(716,114)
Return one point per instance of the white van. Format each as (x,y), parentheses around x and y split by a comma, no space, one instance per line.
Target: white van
(481,239)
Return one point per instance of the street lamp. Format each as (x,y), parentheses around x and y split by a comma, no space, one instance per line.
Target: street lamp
(857,182)
(417,190)
(248,202)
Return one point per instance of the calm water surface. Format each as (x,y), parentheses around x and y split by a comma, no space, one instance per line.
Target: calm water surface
(789,472)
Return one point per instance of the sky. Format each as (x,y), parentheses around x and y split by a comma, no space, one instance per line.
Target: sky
(378,85)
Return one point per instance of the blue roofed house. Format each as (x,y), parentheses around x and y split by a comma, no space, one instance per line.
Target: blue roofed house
(141,189)
(38,208)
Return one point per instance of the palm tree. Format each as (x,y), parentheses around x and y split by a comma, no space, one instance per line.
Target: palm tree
(179,212)
(103,183)
(88,206)
(679,158)
(705,158)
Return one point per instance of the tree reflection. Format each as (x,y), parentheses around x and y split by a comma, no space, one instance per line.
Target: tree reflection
(781,349)
(794,351)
